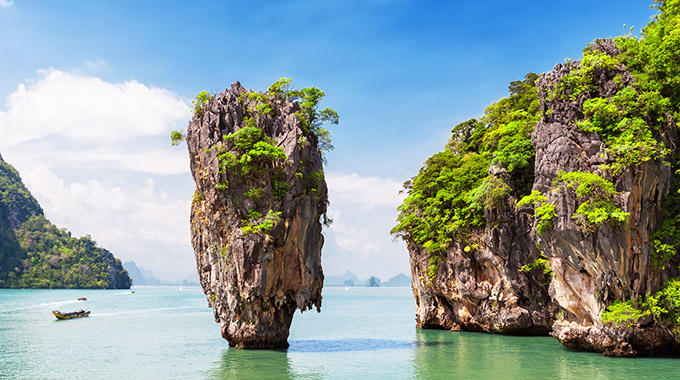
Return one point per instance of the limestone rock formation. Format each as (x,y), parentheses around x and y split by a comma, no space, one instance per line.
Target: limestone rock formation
(484,289)
(597,239)
(612,262)
(255,217)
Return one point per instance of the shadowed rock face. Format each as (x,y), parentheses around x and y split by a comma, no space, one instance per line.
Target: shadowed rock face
(593,269)
(254,281)
(484,290)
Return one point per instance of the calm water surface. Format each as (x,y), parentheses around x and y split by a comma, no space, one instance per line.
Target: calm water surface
(169,332)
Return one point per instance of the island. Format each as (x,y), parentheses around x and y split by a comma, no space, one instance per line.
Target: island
(34,253)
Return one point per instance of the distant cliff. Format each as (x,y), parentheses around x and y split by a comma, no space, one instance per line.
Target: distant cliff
(260,200)
(140,276)
(558,209)
(34,253)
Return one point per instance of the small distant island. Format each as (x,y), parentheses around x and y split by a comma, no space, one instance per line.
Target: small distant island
(350,279)
(34,253)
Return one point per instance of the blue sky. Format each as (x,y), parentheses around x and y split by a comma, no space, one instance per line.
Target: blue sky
(91,89)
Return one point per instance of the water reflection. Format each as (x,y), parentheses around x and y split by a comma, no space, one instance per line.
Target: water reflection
(347,345)
(253,364)
(461,355)
(464,355)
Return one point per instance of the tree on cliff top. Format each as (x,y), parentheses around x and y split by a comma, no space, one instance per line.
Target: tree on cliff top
(307,99)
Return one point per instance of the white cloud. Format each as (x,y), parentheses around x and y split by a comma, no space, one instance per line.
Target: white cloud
(156,161)
(121,220)
(363,210)
(6,3)
(88,110)
(353,239)
(93,153)
(61,199)
(367,192)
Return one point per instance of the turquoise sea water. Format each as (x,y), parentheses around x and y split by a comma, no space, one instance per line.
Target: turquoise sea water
(361,333)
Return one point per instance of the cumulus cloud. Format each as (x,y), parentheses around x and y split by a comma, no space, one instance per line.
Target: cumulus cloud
(6,3)
(97,156)
(73,118)
(88,109)
(154,161)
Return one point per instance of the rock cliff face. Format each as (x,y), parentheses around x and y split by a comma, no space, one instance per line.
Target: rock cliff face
(484,289)
(255,217)
(593,269)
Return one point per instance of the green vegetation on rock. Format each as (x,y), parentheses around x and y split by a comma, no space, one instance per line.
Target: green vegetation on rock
(447,199)
(255,222)
(664,306)
(176,137)
(544,212)
(250,158)
(34,253)
(596,196)
(202,98)
(623,313)
(540,263)
(312,118)
(255,152)
(626,121)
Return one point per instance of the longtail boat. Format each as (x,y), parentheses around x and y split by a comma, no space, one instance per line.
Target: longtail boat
(74,314)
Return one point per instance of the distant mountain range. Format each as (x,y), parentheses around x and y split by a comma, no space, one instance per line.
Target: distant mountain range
(350,279)
(141,276)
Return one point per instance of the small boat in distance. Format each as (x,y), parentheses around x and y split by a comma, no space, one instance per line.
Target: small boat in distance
(74,314)
(132,291)
(81,298)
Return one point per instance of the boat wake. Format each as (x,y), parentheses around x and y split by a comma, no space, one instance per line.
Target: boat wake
(44,305)
(166,310)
